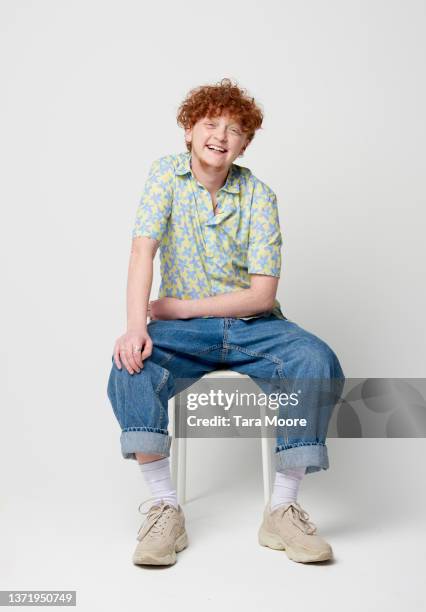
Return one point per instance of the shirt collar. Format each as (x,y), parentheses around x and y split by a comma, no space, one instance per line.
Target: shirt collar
(232,183)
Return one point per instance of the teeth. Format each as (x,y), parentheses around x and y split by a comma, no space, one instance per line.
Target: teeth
(215,148)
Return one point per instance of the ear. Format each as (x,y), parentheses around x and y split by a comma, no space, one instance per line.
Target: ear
(243,150)
(188,135)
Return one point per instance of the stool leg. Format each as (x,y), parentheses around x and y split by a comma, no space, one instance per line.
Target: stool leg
(178,452)
(182,472)
(271,472)
(266,459)
(266,466)
(174,449)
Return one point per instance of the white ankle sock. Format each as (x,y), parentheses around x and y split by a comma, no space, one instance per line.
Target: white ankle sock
(286,486)
(158,478)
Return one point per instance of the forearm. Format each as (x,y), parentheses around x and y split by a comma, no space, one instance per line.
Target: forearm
(235,304)
(139,283)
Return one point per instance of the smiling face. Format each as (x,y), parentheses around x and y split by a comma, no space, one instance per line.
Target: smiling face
(217,141)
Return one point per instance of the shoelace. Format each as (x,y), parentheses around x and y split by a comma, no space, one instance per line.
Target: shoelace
(155,520)
(299,518)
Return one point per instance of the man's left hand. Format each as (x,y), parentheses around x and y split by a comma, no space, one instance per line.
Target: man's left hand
(167,308)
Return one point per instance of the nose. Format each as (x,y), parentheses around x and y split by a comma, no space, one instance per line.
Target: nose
(220,134)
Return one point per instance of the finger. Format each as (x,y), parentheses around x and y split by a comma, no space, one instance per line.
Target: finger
(137,355)
(147,349)
(131,358)
(125,361)
(117,357)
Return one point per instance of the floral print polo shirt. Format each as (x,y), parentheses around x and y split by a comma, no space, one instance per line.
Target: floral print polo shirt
(203,254)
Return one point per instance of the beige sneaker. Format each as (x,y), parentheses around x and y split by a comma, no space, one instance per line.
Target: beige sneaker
(161,535)
(288,528)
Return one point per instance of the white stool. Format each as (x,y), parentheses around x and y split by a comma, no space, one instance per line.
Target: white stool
(178,447)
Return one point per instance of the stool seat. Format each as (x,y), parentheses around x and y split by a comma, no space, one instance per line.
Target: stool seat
(179,446)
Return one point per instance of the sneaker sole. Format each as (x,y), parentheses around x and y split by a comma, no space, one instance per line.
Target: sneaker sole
(271,540)
(150,558)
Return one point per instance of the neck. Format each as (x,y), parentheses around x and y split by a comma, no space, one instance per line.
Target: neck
(212,178)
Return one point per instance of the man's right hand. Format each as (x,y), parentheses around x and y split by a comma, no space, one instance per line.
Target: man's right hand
(131,349)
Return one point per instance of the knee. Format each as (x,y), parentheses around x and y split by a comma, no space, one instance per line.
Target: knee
(120,382)
(320,357)
(151,377)
(123,373)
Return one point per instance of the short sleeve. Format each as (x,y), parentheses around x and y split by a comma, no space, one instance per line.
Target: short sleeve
(264,250)
(155,204)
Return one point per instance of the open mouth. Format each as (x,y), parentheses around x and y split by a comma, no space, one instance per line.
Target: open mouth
(216,150)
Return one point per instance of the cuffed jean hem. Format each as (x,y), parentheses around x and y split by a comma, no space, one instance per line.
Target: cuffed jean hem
(144,441)
(313,456)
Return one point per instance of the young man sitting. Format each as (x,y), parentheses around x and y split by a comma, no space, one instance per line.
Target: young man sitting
(217,226)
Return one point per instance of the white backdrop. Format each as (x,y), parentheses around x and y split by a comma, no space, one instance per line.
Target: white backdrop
(89,97)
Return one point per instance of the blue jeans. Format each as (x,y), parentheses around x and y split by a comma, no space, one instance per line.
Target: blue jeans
(263,348)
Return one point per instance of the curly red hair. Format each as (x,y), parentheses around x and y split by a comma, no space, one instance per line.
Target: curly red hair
(213,100)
